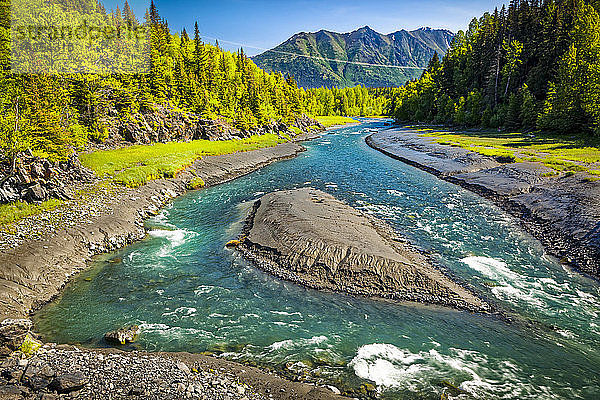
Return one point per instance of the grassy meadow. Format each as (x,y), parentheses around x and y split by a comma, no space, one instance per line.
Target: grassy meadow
(562,153)
(134,166)
(329,121)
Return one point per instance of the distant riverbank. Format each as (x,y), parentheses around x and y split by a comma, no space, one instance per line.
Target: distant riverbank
(562,212)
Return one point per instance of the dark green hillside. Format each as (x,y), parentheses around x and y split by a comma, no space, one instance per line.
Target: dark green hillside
(401,49)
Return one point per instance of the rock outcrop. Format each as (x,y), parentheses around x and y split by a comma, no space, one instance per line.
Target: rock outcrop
(166,124)
(36,179)
(308,237)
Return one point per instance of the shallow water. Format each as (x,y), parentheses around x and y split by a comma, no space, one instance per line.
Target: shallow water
(190,294)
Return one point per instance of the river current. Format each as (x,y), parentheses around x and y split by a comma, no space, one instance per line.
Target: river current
(189,293)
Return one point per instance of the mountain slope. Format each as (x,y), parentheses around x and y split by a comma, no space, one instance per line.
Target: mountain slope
(402,48)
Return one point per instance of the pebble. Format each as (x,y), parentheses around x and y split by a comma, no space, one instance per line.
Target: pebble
(184,368)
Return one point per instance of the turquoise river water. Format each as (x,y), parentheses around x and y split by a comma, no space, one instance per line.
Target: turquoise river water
(189,293)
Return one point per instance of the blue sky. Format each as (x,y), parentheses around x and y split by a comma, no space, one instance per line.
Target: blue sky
(267,23)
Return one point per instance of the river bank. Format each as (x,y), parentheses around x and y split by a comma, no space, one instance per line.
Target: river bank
(68,372)
(36,270)
(562,212)
(51,249)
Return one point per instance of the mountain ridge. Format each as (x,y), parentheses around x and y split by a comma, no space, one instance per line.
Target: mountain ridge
(327,58)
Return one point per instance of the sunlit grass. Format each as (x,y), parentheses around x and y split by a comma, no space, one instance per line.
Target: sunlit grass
(501,154)
(135,165)
(16,211)
(196,183)
(330,121)
(561,153)
(296,130)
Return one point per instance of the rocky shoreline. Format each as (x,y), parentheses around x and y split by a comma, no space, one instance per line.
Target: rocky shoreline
(53,372)
(562,212)
(34,271)
(308,237)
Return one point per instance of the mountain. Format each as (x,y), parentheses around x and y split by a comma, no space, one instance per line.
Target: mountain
(402,48)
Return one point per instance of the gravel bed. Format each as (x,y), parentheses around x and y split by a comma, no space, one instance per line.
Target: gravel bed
(62,372)
(91,200)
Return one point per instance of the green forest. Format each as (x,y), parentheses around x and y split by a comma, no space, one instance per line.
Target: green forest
(53,114)
(532,65)
(354,101)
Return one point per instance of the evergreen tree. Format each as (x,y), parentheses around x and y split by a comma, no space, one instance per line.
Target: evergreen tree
(533,65)
(528,113)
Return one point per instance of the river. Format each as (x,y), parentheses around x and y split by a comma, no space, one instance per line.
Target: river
(189,293)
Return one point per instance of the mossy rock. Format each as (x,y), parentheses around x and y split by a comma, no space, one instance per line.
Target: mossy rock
(367,389)
(29,346)
(233,243)
(196,183)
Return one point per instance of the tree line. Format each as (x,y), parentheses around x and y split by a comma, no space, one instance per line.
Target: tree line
(532,65)
(354,101)
(53,114)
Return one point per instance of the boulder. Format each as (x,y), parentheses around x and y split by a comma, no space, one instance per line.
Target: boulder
(59,192)
(37,382)
(35,193)
(9,191)
(22,175)
(67,383)
(38,170)
(124,335)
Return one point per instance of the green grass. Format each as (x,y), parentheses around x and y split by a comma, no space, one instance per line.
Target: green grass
(16,211)
(296,130)
(561,153)
(335,120)
(135,165)
(500,154)
(562,165)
